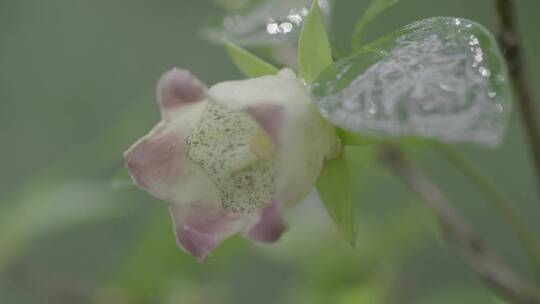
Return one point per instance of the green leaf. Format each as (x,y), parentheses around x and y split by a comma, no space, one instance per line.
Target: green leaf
(121,179)
(249,64)
(334,187)
(48,207)
(351,139)
(155,254)
(375,8)
(314,50)
(497,300)
(234,5)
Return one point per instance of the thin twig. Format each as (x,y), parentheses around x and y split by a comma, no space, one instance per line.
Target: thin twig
(496,199)
(510,42)
(473,251)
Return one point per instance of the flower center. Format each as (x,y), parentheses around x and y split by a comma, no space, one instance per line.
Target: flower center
(238,156)
(262,146)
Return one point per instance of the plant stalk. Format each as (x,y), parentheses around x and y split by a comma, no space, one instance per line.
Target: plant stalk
(487,267)
(510,42)
(498,200)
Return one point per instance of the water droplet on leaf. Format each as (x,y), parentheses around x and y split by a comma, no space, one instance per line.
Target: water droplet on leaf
(266,22)
(422,80)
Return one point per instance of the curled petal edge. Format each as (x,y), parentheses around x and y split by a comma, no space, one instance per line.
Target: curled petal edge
(270,226)
(199,227)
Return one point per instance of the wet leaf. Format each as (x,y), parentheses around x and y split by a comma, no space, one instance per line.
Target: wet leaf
(265,22)
(441,78)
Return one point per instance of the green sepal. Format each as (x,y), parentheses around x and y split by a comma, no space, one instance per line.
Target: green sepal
(249,64)
(314,50)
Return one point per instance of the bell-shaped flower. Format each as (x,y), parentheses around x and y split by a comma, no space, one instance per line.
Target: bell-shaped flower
(230,158)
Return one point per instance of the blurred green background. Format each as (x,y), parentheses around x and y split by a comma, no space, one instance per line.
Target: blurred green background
(76,89)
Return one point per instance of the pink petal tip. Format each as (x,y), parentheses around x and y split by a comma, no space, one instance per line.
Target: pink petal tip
(270,226)
(178,87)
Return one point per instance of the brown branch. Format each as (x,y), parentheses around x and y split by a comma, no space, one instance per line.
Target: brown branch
(510,42)
(472,250)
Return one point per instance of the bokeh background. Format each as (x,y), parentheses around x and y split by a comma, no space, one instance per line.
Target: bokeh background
(77,88)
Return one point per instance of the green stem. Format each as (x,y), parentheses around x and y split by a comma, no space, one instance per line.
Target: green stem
(498,200)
